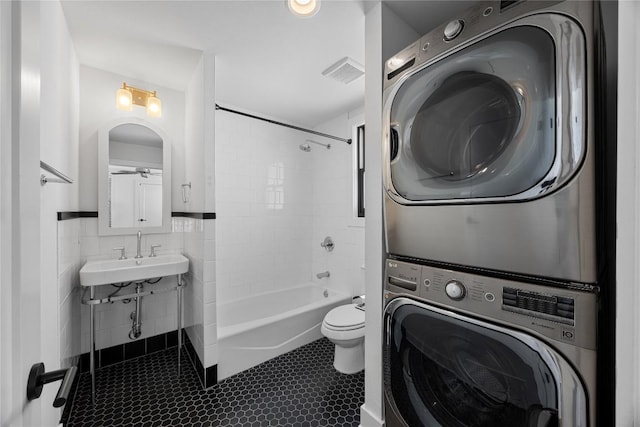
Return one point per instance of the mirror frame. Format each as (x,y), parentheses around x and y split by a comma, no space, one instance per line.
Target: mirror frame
(103,180)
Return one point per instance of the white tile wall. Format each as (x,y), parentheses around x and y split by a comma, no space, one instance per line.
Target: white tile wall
(69,263)
(333,207)
(193,232)
(275,204)
(264,207)
(210,331)
(200,301)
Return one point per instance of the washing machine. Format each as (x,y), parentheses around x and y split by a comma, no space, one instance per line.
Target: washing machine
(463,349)
(488,142)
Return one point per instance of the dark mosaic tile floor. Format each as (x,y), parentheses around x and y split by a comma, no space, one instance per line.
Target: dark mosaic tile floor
(300,388)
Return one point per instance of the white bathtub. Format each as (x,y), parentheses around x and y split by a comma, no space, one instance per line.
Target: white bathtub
(258,328)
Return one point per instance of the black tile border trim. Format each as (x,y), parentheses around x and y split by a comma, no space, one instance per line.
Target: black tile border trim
(208,376)
(197,215)
(211,376)
(193,357)
(129,350)
(62,216)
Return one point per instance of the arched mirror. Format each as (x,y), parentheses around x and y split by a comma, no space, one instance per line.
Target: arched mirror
(134,166)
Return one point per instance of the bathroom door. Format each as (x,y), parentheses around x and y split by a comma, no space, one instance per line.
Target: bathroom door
(25,301)
(150,203)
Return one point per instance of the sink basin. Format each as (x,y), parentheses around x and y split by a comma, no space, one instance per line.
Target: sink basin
(103,272)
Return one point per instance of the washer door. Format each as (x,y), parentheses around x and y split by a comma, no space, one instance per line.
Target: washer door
(443,369)
(485,123)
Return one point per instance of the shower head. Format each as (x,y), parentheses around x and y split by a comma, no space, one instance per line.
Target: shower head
(305,147)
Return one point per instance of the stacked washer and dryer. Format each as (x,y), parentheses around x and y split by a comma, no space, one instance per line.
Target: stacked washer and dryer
(489,175)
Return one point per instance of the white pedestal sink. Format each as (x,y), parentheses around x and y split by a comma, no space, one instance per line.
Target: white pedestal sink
(104,272)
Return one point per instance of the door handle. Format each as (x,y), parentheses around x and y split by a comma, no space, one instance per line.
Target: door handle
(38,378)
(394,143)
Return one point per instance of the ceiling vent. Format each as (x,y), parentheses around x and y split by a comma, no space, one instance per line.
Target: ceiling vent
(345,71)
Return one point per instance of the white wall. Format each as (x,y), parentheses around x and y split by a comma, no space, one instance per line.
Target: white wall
(628,221)
(333,207)
(194,139)
(199,235)
(8,402)
(371,412)
(194,233)
(386,34)
(98,108)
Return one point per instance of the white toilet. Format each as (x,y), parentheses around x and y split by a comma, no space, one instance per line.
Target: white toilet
(344,326)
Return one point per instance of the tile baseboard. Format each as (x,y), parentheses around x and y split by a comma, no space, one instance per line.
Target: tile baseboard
(130,350)
(208,376)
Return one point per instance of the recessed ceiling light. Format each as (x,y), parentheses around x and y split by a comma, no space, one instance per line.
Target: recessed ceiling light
(303,8)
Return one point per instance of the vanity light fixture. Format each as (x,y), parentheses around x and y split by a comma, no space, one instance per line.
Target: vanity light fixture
(303,8)
(127,96)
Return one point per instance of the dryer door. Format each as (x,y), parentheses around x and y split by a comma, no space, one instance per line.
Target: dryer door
(443,369)
(484,123)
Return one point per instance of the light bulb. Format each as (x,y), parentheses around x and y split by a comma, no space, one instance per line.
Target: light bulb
(124,100)
(154,107)
(304,8)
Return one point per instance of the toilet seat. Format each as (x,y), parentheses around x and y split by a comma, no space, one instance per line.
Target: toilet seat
(344,318)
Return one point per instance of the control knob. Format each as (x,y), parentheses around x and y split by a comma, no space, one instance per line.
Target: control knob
(455,290)
(453,29)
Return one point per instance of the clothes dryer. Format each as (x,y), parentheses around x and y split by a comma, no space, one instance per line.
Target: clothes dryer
(489,143)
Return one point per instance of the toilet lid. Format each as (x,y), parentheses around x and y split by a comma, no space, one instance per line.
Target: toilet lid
(345,316)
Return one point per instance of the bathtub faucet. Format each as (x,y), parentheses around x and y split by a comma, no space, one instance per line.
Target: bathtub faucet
(323,274)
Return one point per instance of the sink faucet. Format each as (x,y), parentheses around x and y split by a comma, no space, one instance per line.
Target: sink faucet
(139,252)
(323,274)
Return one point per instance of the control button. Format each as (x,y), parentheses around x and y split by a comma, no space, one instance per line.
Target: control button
(455,290)
(489,297)
(453,29)
(425,47)
(487,11)
(426,283)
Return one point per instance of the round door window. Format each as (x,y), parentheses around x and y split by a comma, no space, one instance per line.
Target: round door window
(464,125)
(479,123)
(442,371)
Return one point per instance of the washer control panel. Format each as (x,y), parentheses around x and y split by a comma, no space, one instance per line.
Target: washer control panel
(563,314)
(483,17)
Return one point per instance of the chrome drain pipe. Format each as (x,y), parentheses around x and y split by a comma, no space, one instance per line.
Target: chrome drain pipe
(136,327)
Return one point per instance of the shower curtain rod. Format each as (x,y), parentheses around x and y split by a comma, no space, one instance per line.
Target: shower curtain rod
(326,135)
